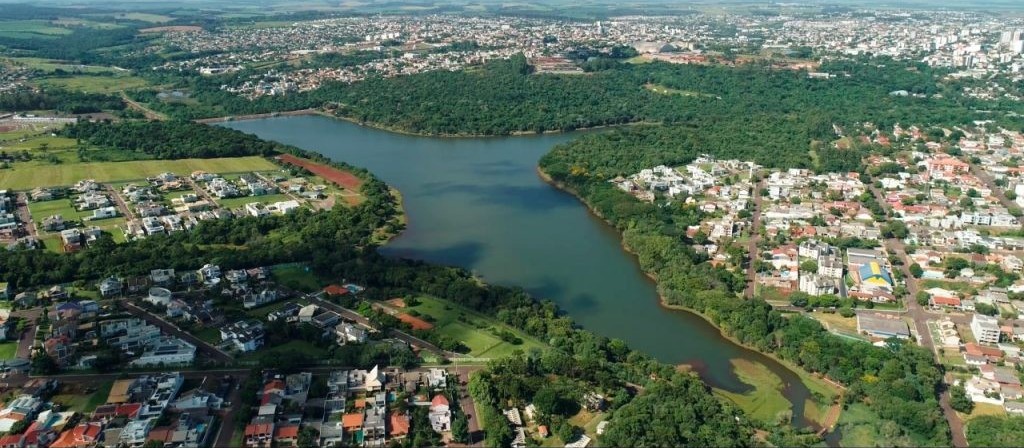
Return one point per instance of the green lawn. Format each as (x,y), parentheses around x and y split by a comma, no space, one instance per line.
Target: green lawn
(296,277)
(475,330)
(63,207)
(8,350)
(766,402)
(299,346)
(209,335)
(95,83)
(232,203)
(28,176)
(81,401)
(862,427)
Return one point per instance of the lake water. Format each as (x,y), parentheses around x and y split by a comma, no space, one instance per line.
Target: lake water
(478,203)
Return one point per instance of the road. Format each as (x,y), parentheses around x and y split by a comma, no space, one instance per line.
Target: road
(920,317)
(755,239)
(147,112)
(121,205)
(206,349)
(28,337)
(24,216)
(997,191)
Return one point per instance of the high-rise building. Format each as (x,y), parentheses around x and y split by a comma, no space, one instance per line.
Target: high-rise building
(1017,46)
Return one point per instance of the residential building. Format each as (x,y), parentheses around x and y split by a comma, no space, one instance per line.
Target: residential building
(985,329)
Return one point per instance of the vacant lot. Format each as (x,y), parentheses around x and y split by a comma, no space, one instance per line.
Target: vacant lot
(476,331)
(62,207)
(95,84)
(26,177)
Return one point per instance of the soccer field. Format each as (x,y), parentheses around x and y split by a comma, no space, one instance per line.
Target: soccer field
(27,177)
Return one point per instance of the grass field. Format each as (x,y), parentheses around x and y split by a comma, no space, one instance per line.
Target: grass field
(27,177)
(29,29)
(983,409)
(296,277)
(8,350)
(232,203)
(62,207)
(474,330)
(766,402)
(861,427)
(297,346)
(37,145)
(144,17)
(75,399)
(50,65)
(95,84)
(835,323)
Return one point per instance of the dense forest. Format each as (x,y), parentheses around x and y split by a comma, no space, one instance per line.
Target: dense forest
(752,105)
(63,101)
(171,139)
(898,382)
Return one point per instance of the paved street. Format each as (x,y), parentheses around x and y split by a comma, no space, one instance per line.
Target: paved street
(755,238)
(920,317)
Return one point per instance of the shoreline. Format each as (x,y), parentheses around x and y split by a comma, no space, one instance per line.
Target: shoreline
(799,372)
(400,131)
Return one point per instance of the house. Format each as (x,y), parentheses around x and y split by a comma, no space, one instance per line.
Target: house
(939,297)
(326,319)
(363,381)
(110,286)
(60,349)
(307,312)
(162,277)
(53,223)
(440,415)
(104,213)
(166,351)
(399,424)
(347,332)
(210,274)
(437,378)
(817,285)
(158,296)
(286,435)
(985,329)
(82,436)
(244,335)
(24,407)
(259,434)
(882,326)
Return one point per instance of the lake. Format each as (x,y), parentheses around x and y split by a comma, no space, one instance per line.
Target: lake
(478,203)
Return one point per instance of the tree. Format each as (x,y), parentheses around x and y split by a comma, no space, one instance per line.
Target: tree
(308,437)
(43,364)
(959,399)
(809,266)
(460,428)
(922,298)
(916,270)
